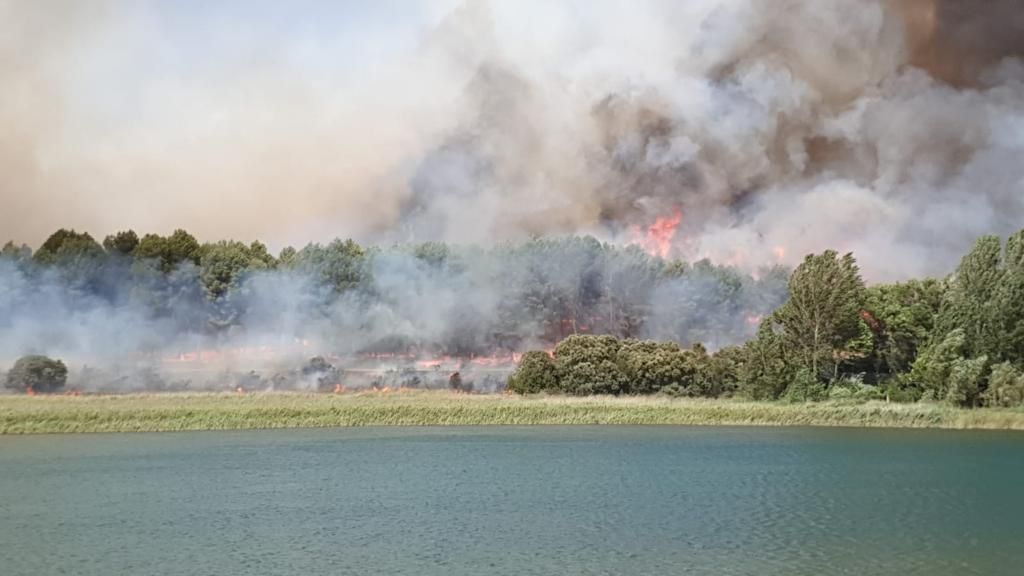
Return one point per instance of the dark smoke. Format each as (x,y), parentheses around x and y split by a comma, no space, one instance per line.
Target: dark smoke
(889,128)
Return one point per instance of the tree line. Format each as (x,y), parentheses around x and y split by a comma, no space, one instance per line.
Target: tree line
(428,297)
(958,340)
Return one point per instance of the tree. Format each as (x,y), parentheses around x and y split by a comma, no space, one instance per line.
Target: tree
(764,369)
(15,252)
(286,258)
(169,252)
(822,321)
(37,374)
(1008,305)
(945,371)
(65,244)
(1005,387)
(967,381)
(970,303)
(535,373)
(78,259)
(901,317)
(224,263)
(121,243)
(721,377)
(341,265)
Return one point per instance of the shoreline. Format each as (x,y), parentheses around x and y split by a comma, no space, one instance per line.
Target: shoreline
(166,412)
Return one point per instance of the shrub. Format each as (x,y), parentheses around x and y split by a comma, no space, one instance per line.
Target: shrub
(966,379)
(535,373)
(590,365)
(805,388)
(853,389)
(587,378)
(651,366)
(1005,386)
(38,374)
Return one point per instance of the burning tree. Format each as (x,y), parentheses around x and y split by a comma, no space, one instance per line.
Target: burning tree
(37,374)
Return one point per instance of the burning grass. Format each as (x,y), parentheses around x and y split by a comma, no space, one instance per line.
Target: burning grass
(230,411)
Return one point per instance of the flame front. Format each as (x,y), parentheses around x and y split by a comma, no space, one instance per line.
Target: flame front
(658,238)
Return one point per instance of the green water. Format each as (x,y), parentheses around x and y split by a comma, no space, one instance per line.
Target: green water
(516,501)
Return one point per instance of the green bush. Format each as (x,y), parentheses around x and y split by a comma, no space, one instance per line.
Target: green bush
(37,374)
(651,366)
(535,373)
(1005,386)
(590,365)
(806,387)
(853,389)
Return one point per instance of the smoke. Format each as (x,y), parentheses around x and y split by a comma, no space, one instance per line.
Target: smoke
(392,315)
(867,125)
(890,128)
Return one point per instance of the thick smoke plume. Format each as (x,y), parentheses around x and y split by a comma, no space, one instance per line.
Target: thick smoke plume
(892,129)
(885,127)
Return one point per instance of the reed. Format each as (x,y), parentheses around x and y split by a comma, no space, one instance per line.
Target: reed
(233,411)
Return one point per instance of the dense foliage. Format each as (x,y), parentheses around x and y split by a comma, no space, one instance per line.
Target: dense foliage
(37,374)
(602,319)
(959,340)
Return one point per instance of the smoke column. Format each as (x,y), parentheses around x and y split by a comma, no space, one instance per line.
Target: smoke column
(886,128)
(745,131)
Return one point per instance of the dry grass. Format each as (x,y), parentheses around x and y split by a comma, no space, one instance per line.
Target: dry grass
(215,411)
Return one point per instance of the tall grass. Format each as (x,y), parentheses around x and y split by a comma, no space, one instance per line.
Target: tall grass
(213,411)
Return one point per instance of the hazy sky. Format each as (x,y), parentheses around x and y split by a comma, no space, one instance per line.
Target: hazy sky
(118,113)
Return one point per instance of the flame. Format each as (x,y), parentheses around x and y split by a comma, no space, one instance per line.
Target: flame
(339,389)
(754,319)
(30,391)
(780,253)
(433,362)
(211,355)
(240,390)
(657,239)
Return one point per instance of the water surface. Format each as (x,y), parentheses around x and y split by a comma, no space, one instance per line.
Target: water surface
(516,501)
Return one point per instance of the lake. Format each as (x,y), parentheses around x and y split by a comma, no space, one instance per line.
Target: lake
(515,501)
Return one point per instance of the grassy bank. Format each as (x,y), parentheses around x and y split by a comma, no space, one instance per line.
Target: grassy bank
(212,411)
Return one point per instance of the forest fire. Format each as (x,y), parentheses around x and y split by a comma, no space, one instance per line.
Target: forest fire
(657,239)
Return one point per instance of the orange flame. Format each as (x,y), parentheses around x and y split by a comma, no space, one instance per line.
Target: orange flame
(658,241)
(658,238)
(30,391)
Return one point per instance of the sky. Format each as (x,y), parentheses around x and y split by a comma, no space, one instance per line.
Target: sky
(94,87)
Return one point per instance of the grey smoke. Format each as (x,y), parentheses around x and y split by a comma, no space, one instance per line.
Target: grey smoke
(892,129)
